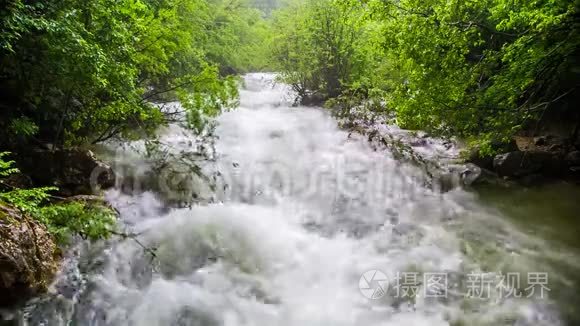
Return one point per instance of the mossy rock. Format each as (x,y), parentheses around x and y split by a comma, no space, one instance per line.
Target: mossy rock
(29,257)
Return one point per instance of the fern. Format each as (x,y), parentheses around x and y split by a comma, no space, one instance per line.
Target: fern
(91,222)
(6,167)
(63,220)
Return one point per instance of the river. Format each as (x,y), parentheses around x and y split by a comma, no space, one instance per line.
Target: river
(310,225)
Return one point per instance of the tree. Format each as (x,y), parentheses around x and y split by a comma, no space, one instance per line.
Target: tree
(315,48)
(77,71)
(481,69)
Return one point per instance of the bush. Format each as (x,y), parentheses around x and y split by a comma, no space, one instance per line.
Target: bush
(63,220)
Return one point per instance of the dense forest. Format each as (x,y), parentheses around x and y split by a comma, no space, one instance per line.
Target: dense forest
(77,71)
(482,70)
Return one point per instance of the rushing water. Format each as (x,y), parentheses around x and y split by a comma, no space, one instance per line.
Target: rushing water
(303,211)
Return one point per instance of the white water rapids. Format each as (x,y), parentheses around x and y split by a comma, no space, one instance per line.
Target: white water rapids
(307,210)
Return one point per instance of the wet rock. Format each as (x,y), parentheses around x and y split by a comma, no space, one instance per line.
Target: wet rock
(509,164)
(421,142)
(422,134)
(573,158)
(473,175)
(276,134)
(540,141)
(313,100)
(470,174)
(407,233)
(359,230)
(556,148)
(519,164)
(393,216)
(195,317)
(475,157)
(28,257)
(405,229)
(18,180)
(446,181)
(74,171)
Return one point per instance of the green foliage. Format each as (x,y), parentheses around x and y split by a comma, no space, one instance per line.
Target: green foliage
(91,222)
(316,47)
(267,6)
(6,167)
(26,200)
(480,69)
(77,71)
(62,220)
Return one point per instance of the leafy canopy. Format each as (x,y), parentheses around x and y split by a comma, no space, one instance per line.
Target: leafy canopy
(77,71)
(480,69)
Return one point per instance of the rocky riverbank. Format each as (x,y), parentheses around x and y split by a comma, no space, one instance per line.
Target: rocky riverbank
(534,160)
(527,161)
(29,254)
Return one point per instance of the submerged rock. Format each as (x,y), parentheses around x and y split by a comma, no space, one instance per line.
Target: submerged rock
(28,257)
(408,233)
(75,171)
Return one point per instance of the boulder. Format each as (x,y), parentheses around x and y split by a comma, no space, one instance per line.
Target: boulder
(486,161)
(573,158)
(482,161)
(519,164)
(556,148)
(509,164)
(473,175)
(540,141)
(17,180)
(446,181)
(74,171)
(29,257)
(420,142)
(312,100)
